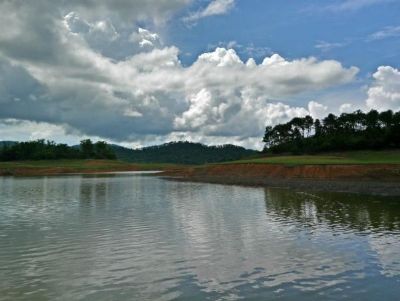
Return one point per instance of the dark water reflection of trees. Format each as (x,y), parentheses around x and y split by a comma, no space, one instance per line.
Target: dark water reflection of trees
(353,212)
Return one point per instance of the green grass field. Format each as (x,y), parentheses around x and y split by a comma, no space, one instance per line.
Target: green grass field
(356,157)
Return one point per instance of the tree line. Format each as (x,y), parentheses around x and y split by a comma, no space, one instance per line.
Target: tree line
(183,152)
(49,150)
(349,131)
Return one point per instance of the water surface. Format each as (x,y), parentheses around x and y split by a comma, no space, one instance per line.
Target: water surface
(136,237)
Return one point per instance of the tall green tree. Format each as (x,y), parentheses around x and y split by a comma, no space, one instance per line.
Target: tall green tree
(358,130)
(87,148)
(103,151)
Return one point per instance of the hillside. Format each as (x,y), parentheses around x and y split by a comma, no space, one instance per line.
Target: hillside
(175,153)
(50,150)
(7,143)
(183,153)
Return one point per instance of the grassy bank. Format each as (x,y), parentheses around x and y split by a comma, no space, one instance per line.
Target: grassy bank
(347,158)
(27,168)
(364,172)
(367,172)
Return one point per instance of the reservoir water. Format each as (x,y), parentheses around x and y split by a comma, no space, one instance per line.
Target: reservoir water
(139,237)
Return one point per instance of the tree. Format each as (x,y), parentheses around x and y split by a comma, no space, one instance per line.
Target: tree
(87,148)
(330,123)
(297,126)
(103,151)
(268,137)
(349,131)
(318,128)
(38,150)
(371,120)
(386,118)
(308,124)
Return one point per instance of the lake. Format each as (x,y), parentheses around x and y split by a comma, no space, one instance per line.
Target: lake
(140,237)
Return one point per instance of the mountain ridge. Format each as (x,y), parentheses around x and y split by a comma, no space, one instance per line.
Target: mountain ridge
(177,152)
(183,152)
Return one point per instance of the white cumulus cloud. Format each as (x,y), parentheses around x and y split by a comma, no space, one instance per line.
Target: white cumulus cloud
(58,72)
(384,94)
(346,108)
(317,110)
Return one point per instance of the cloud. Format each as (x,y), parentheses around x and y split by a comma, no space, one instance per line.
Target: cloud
(215,7)
(21,130)
(384,93)
(146,38)
(351,5)
(32,28)
(153,94)
(103,36)
(124,10)
(62,73)
(317,110)
(387,32)
(326,46)
(249,50)
(346,108)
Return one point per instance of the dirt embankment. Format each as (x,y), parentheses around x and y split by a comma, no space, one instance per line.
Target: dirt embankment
(368,179)
(86,167)
(29,172)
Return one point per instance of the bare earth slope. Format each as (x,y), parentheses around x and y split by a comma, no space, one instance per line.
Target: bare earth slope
(382,179)
(56,167)
(358,172)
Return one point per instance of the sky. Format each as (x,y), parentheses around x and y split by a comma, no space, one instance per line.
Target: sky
(145,72)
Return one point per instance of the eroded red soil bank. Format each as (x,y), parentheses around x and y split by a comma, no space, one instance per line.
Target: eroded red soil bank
(368,179)
(274,171)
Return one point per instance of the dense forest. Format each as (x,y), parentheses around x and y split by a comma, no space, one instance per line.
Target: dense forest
(49,150)
(173,152)
(183,153)
(349,131)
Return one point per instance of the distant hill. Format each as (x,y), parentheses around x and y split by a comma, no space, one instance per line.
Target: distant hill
(7,143)
(183,153)
(176,153)
(49,150)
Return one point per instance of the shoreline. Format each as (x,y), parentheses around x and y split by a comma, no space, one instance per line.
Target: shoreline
(355,187)
(374,179)
(71,167)
(383,180)
(61,171)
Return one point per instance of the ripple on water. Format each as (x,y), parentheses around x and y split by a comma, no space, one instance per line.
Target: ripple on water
(131,237)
